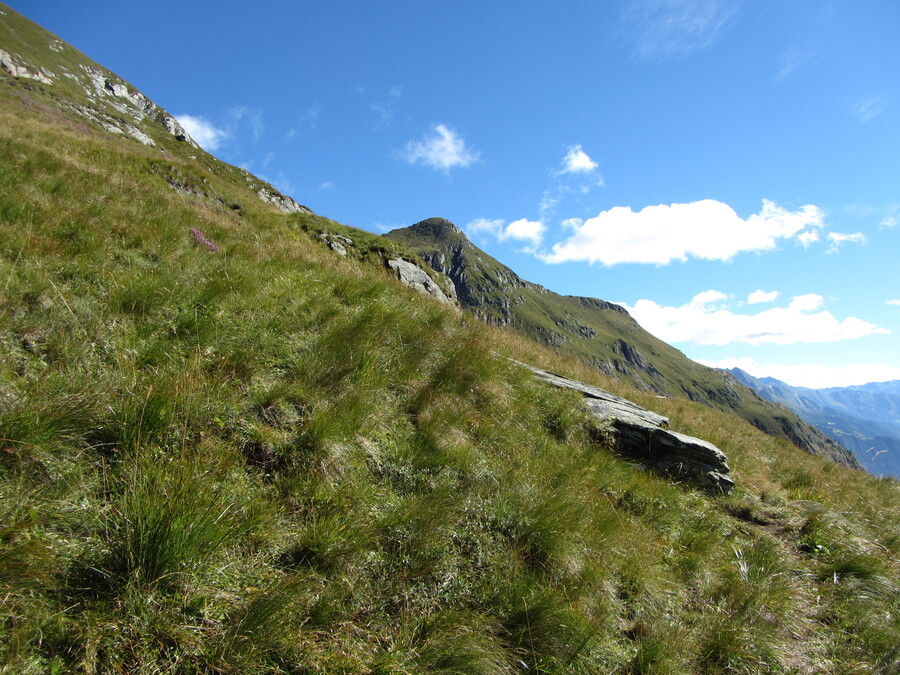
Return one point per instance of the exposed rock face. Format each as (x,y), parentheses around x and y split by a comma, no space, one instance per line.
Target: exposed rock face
(17,68)
(283,203)
(131,102)
(645,435)
(336,242)
(416,278)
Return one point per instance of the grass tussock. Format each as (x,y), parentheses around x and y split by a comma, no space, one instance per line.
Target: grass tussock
(240,452)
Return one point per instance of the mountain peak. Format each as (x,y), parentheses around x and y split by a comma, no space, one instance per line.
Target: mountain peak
(437,228)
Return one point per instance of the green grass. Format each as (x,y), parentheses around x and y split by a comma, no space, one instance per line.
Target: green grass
(269,458)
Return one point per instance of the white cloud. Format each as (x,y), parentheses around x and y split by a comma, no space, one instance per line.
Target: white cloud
(808,237)
(759,296)
(442,150)
(207,135)
(522,229)
(663,29)
(708,229)
(894,302)
(814,376)
(327,185)
(577,161)
(838,238)
(806,303)
(889,221)
(708,320)
(486,225)
(519,230)
(866,110)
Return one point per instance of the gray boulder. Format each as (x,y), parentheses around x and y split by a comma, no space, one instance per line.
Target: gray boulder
(414,277)
(644,435)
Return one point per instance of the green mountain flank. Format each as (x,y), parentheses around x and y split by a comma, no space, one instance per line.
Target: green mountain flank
(600,334)
(227,447)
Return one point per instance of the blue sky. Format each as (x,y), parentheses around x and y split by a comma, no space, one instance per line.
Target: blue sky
(729,171)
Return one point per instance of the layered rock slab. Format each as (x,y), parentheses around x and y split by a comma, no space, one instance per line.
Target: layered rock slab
(645,435)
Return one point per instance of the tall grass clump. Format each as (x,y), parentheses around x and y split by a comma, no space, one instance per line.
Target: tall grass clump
(167,519)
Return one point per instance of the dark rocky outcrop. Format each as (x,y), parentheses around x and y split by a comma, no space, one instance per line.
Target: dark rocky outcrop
(644,435)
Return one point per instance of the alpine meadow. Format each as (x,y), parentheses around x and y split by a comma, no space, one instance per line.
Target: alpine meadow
(239,437)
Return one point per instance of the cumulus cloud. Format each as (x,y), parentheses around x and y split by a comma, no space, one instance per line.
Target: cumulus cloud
(894,302)
(835,239)
(531,231)
(813,376)
(707,229)
(708,319)
(665,29)
(528,230)
(889,221)
(207,135)
(443,149)
(757,297)
(577,161)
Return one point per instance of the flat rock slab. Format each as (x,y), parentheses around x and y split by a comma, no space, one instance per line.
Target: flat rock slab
(644,435)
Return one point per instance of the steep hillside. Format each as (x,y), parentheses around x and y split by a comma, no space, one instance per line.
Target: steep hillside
(228,448)
(865,419)
(598,333)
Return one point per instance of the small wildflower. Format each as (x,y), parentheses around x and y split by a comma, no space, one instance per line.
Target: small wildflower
(201,239)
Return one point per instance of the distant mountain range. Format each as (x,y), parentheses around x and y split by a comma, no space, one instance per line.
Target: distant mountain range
(864,419)
(599,333)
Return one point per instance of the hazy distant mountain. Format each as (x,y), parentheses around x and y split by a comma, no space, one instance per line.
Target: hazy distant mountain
(600,333)
(864,419)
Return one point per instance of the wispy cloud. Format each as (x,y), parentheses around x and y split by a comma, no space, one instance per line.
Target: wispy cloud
(523,229)
(246,117)
(207,135)
(707,230)
(708,319)
(795,62)
(310,118)
(889,221)
(867,109)
(658,30)
(836,239)
(894,302)
(442,149)
(814,376)
(576,174)
(384,107)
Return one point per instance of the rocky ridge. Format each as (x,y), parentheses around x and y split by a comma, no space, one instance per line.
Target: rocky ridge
(599,333)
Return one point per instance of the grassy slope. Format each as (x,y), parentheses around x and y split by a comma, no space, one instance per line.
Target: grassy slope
(602,335)
(268,458)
